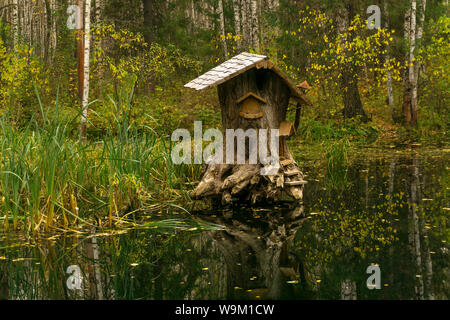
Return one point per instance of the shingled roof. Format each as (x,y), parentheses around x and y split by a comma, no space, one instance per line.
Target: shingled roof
(238,65)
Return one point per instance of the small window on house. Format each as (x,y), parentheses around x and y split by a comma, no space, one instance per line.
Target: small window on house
(251,106)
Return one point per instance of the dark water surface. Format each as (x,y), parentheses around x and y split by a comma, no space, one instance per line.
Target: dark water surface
(390,210)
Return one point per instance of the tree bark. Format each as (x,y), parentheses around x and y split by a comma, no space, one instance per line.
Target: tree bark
(15,22)
(412,48)
(349,80)
(222,29)
(416,64)
(406,82)
(86,67)
(255,25)
(148,20)
(237,23)
(390,90)
(245,24)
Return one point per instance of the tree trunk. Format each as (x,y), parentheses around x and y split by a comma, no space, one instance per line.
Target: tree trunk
(390,90)
(148,20)
(99,8)
(245,181)
(245,24)
(349,79)
(406,82)
(222,29)
(412,48)
(15,22)
(416,64)
(413,33)
(53,28)
(87,50)
(237,23)
(413,227)
(255,25)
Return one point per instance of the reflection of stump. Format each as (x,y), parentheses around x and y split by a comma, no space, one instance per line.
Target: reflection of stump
(256,253)
(245,181)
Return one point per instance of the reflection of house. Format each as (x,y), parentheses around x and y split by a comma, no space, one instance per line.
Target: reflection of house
(257,255)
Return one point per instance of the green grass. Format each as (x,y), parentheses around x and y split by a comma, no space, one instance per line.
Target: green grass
(50,180)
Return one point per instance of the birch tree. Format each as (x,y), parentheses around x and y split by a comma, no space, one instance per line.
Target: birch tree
(390,90)
(237,22)
(254,25)
(87,47)
(245,23)
(412,46)
(413,34)
(222,28)
(53,31)
(15,22)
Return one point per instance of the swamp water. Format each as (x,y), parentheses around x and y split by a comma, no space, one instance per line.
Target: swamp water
(389,210)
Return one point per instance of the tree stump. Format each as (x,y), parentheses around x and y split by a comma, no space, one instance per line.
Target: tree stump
(245,181)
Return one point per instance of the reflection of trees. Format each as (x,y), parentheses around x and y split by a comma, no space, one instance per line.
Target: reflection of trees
(417,238)
(381,216)
(351,228)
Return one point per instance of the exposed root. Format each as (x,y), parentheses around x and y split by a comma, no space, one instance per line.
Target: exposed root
(245,182)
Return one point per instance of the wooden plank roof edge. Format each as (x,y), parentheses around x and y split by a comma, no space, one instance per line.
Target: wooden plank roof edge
(295,92)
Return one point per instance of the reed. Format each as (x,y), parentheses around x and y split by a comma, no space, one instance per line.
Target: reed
(49,180)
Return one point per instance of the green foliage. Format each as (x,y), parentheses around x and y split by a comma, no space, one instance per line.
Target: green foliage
(435,96)
(20,70)
(128,53)
(50,179)
(316,131)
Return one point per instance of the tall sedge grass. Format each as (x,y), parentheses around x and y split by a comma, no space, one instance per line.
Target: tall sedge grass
(50,180)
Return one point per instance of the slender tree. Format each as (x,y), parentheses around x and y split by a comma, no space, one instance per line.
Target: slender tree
(237,22)
(254,25)
(15,22)
(390,90)
(222,28)
(413,34)
(349,81)
(86,71)
(148,20)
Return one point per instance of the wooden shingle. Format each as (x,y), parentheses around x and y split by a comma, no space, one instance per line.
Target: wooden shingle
(238,65)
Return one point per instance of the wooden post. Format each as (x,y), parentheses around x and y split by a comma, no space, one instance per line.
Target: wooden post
(298,113)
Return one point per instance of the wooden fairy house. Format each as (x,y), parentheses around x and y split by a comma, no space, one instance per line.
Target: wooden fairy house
(253,93)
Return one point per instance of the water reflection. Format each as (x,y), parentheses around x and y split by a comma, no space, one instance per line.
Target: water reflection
(255,247)
(391,211)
